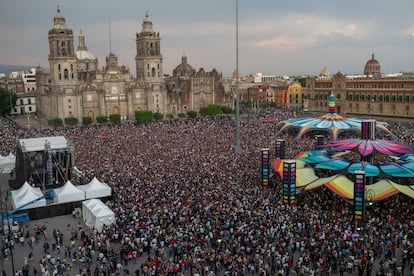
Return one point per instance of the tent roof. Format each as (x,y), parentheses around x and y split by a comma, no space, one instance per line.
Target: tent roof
(38,144)
(68,188)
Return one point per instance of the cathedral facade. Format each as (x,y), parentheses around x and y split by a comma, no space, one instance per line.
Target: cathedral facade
(76,87)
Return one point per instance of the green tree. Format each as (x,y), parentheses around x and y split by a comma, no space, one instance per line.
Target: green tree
(226,109)
(102,119)
(192,114)
(55,122)
(302,81)
(181,115)
(158,116)
(71,121)
(211,109)
(115,118)
(86,121)
(143,116)
(5,97)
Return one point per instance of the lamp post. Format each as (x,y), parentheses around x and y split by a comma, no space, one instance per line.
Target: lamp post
(237,147)
(372,108)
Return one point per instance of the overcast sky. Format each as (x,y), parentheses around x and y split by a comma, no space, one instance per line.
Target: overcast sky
(275,37)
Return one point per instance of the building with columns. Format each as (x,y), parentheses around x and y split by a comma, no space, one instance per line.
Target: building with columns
(76,87)
(369,94)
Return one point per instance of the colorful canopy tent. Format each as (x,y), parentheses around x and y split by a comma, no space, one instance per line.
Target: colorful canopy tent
(68,193)
(331,122)
(96,214)
(96,189)
(333,159)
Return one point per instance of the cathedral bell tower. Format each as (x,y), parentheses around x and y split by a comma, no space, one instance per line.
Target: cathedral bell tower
(148,58)
(62,58)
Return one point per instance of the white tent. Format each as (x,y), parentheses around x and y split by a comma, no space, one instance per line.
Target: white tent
(7,163)
(16,193)
(31,195)
(87,206)
(68,193)
(95,189)
(96,214)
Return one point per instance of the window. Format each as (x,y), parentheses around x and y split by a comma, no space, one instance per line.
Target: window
(69,100)
(387,98)
(29,101)
(66,74)
(21,102)
(30,108)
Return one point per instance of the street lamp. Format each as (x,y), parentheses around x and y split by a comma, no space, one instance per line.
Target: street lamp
(372,108)
(237,147)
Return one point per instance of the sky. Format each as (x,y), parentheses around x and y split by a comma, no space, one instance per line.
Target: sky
(293,38)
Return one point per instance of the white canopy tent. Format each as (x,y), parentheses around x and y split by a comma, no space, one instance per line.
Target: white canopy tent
(25,195)
(68,193)
(7,163)
(96,214)
(96,189)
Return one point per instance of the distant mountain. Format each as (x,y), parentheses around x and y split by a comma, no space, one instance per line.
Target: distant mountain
(7,69)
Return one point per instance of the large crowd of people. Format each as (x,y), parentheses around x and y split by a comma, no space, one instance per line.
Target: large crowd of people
(187,204)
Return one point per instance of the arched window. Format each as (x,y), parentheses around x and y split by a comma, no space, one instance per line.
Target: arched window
(65,74)
(153,71)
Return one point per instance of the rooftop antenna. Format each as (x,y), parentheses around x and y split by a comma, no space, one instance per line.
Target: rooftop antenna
(110,45)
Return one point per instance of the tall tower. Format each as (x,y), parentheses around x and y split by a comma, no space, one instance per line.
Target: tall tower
(148,59)
(64,98)
(62,58)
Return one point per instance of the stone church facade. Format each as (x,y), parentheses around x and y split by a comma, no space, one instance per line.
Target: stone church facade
(76,87)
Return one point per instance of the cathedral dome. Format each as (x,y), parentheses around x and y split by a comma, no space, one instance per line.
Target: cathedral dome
(84,54)
(184,69)
(372,67)
(324,72)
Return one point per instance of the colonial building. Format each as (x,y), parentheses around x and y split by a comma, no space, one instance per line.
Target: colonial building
(371,94)
(189,89)
(76,87)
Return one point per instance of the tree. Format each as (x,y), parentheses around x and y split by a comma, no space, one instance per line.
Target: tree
(115,118)
(211,109)
(143,116)
(86,121)
(55,122)
(102,119)
(181,115)
(5,97)
(302,81)
(71,121)
(192,114)
(158,116)
(226,109)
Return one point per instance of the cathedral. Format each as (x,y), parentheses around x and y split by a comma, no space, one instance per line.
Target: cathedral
(76,87)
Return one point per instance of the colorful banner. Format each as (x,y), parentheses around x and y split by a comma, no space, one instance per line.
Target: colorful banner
(280,150)
(289,182)
(265,167)
(359,197)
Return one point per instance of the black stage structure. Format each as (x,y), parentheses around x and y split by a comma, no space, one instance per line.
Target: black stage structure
(46,162)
